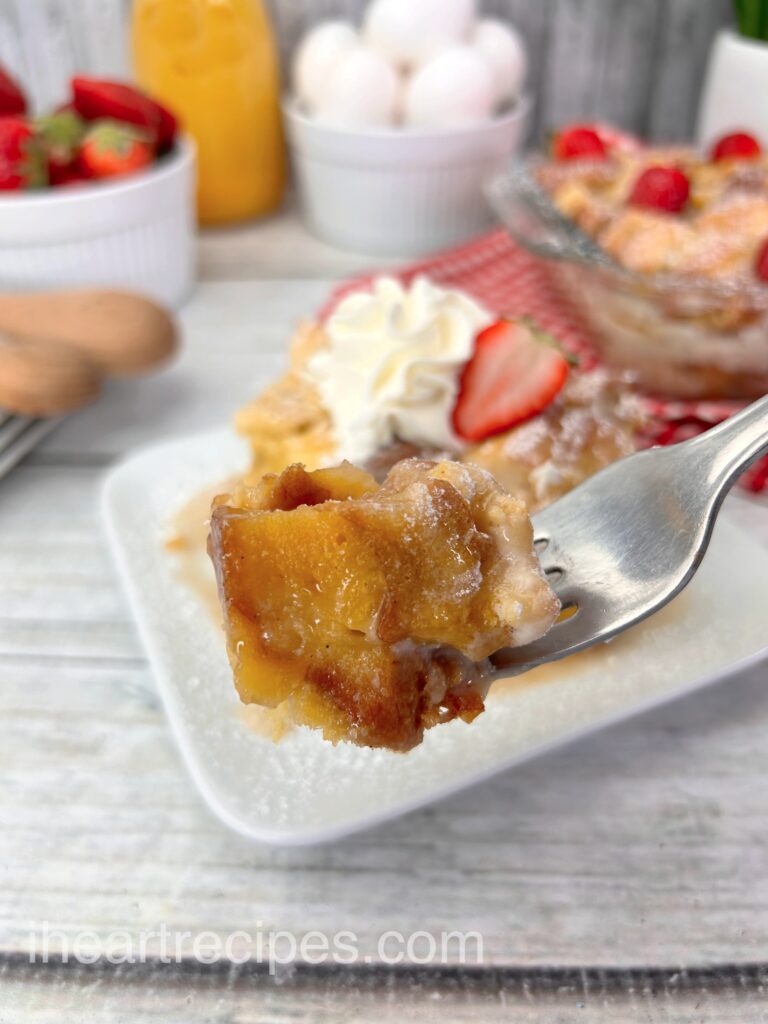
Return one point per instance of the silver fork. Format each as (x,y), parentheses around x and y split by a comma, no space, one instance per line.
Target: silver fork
(623,544)
(19,435)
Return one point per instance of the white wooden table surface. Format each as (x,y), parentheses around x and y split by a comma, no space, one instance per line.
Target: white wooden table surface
(623,878)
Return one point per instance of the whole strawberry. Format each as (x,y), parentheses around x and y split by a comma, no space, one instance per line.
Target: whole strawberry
(60,136)
(22,164)
(579,142)
(112,148)
(13,102)
(661,188)
(737,146)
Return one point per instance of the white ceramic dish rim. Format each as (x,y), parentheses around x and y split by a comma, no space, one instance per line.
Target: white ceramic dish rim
(182,155)
(316,835)
(518,112)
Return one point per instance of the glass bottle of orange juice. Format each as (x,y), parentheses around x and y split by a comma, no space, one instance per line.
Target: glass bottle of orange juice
(215,64)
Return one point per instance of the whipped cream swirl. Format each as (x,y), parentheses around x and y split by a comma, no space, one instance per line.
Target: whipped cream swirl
(391,366)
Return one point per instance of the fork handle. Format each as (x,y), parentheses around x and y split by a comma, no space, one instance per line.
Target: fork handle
(725,451)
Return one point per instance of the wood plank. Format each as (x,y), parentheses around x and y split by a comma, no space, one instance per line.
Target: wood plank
(687,30)
(58,596)
(600,61)
(534,21)
(54,39)
(618,884)
(163,994)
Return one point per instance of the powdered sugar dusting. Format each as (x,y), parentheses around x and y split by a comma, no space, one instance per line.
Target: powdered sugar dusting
(304,789)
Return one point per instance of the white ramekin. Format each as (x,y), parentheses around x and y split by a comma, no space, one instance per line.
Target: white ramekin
(401,192)
(136,233)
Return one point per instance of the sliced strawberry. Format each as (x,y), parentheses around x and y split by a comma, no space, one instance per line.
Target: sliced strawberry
(22,164)
(13,102)
(737,146)
(661,188)
(514,373)
(579,142)
(95,99)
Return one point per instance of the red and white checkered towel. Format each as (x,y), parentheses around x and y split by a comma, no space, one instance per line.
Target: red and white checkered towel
(506,279)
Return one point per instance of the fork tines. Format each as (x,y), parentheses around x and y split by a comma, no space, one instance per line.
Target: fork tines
(19,435)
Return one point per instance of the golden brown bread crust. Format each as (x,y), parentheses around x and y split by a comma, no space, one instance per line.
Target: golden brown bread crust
(288,422)
(380,662)
(370,610)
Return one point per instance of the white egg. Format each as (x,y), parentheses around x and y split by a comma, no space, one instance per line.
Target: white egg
(317,55)
(364,90)
(504,50)
(408,32)
(455,88)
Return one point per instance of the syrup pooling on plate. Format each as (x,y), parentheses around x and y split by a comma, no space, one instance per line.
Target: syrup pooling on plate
(186,543)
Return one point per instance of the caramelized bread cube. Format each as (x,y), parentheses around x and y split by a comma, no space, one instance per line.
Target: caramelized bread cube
(288,422)
(372,610)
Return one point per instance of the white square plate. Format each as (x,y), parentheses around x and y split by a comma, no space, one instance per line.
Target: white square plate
(304,790)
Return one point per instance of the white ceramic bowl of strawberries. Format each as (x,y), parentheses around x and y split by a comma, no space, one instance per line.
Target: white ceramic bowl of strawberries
(396,124)
(97,194)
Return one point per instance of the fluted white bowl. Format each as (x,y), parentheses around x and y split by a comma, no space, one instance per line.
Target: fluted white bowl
(399,192)
(135,232)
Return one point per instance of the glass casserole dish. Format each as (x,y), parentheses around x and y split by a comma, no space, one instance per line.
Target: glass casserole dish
(682,336)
